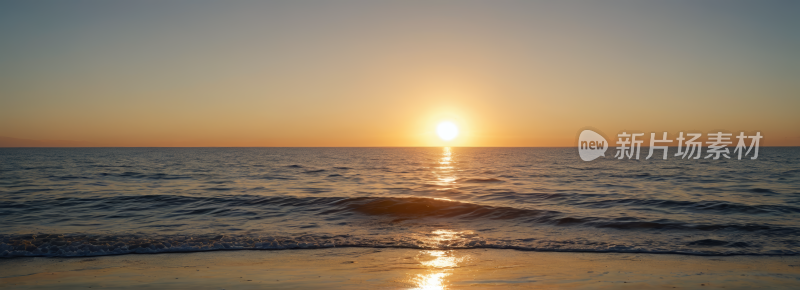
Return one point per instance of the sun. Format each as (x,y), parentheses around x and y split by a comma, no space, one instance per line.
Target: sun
(447,131)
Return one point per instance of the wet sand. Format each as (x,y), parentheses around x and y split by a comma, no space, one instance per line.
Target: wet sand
(371,268)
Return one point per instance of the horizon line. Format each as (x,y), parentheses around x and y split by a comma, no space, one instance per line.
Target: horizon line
(84,147)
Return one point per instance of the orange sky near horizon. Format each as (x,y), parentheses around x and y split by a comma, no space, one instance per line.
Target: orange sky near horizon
(364,74)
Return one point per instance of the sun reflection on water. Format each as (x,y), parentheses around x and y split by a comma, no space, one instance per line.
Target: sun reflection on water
(439,263)
(441,259)
(433,281)
(445,170)
(447,157)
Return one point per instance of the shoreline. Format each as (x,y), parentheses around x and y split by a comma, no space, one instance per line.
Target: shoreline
(396,268)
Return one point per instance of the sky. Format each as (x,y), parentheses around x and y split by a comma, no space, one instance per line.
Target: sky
(385,73)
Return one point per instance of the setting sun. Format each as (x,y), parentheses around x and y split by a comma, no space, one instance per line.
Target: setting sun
(447,131)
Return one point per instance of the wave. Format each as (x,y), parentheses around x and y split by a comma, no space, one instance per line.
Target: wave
(483,180)
(426,207)
(257,207)
(716,206)
(82,245)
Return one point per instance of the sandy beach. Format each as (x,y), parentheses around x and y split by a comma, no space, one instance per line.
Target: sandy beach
(385,268)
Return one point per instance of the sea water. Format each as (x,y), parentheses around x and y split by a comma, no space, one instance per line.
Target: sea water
(105,201)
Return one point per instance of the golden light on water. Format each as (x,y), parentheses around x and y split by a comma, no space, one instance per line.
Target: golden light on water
(445,173)
(442,259)
(433,281)
(439,263)
(446,160)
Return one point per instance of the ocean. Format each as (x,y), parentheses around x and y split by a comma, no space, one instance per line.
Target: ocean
(65,202)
